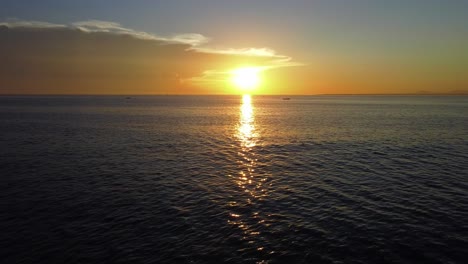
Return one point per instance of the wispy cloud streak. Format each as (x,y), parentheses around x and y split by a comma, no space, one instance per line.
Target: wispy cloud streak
(106,53)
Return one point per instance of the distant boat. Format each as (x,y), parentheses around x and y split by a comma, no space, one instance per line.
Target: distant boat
(128,98)
(286,98)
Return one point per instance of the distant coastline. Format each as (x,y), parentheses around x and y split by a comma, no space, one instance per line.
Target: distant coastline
(423,93)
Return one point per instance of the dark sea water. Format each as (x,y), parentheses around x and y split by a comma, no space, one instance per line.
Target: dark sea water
(212,179)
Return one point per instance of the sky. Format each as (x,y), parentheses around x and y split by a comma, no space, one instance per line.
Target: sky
(190,47)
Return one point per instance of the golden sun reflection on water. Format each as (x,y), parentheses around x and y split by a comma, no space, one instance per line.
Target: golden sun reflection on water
(251,183)
(246,131)
(247,136)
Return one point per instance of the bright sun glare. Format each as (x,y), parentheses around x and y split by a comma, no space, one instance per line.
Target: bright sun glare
(246,78)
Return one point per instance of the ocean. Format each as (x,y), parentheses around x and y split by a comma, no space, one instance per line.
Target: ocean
(233,179)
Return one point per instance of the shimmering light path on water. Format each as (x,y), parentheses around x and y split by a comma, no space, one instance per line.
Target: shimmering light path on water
(252,179)
(251,221)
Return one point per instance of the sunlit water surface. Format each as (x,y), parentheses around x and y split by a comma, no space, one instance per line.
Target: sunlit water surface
(211,179)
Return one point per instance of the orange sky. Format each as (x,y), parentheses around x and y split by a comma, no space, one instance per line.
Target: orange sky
(57,59)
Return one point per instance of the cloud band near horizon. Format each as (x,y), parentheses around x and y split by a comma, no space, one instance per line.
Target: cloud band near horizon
(101,57)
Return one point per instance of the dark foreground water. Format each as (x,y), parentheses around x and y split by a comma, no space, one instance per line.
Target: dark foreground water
(180,179)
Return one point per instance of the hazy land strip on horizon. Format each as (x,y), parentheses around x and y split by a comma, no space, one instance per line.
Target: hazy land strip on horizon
(455,93)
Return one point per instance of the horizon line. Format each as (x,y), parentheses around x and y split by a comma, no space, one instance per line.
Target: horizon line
(240,94)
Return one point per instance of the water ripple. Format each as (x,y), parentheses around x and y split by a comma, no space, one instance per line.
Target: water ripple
(236,180)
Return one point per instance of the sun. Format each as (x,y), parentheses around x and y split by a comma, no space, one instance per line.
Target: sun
(246,78)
